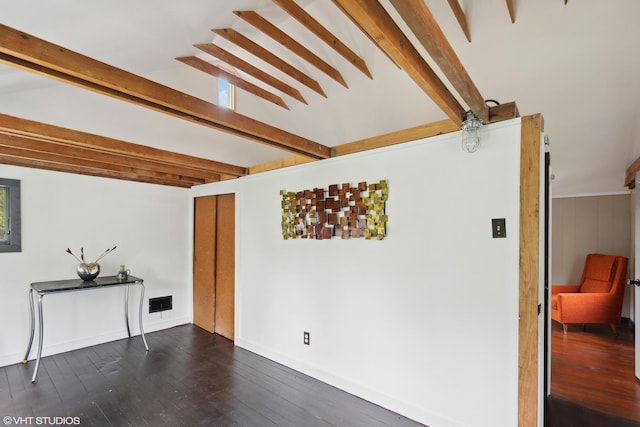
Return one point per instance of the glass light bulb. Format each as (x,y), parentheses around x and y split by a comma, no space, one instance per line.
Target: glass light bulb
(471,128)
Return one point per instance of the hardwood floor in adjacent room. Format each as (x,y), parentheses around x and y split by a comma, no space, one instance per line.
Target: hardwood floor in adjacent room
(592,378)
(189,377)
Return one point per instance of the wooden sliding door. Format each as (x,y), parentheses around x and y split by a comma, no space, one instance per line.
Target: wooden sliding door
(214,264)
(225,267)
(204,239)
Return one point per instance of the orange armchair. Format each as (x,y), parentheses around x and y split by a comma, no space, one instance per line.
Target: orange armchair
(598,297)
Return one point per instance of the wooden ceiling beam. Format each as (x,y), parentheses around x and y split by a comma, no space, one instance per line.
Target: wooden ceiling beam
(18,126)
(260,52)
(422,23)
(206,67)
(268,29)
(392,138)
(24,151)
(374,19)
(630,174)
(108,160)
(362,30)
(52,166)
(33,54)
(279,164)
(512,13)
(311,24)
(506,111)
(397,137)
(460,17)
(245,67)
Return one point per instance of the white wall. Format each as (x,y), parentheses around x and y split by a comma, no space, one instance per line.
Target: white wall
(150,224)
(424,322)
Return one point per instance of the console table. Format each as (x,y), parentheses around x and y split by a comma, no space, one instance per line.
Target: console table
(73,285)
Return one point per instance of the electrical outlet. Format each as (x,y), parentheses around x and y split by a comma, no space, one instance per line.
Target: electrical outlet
(306,339)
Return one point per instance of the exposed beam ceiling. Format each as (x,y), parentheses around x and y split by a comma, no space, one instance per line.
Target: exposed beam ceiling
(323,34)
(242,65)
(29,152)
(148,37)
(211,69)
(460,17)
(357,24)
(374,19)
(29,143)
(269,29)
(31,53)
(255,49)
(420,20)
(290,43)
(512,13)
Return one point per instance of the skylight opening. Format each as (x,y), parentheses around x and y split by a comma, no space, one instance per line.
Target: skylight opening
(226,94)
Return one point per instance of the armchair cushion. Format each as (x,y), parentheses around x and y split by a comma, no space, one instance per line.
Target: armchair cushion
(598,274)
(595,286)
(585,307)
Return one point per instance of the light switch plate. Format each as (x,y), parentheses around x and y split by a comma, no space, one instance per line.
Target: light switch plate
(499,227)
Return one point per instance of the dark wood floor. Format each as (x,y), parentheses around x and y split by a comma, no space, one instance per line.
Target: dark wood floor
(592,378)
(189,378)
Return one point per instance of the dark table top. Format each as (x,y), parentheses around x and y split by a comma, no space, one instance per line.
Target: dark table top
(79,284)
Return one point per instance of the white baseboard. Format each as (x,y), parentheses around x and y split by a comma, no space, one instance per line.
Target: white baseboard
(10,359)
(350,386)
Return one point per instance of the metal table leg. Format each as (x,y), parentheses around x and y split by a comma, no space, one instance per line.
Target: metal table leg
(126,309)
(40,334)
(140,314)
(33,327)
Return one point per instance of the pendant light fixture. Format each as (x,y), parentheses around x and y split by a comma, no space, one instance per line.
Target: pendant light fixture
(471,128)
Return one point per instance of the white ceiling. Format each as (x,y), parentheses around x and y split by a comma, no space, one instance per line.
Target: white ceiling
(577,64)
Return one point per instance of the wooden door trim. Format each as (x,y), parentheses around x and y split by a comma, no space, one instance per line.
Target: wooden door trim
(529,282)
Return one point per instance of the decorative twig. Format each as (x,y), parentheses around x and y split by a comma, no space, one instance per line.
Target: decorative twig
(69,251)
(82,259)
(105,253)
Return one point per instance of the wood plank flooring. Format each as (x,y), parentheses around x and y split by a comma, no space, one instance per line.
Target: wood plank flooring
(592,378)
(189,378)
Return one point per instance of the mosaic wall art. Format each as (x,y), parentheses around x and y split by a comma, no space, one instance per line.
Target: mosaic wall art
(340,211)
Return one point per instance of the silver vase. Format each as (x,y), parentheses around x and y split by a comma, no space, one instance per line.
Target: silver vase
(88,271)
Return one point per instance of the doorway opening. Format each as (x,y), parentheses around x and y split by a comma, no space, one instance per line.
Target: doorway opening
(590,370)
